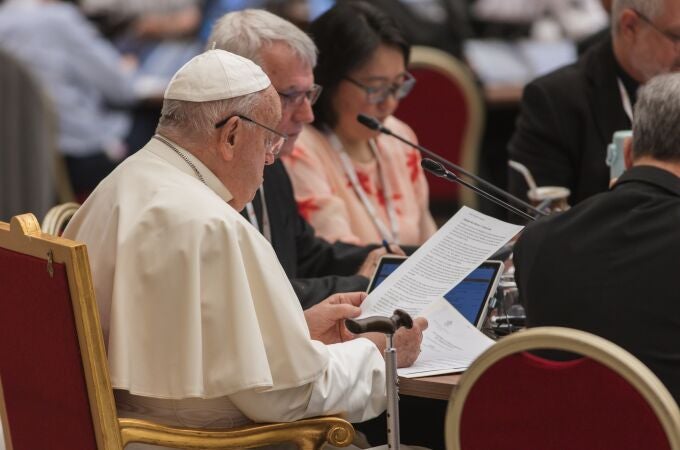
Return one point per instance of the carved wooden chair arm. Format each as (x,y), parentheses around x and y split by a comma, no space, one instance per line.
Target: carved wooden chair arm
(307,434)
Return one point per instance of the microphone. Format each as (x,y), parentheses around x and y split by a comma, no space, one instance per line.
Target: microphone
(508,319)
(439,170)
(375,125)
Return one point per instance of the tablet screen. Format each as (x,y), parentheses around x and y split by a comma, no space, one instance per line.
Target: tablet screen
(470,297)
(386,265)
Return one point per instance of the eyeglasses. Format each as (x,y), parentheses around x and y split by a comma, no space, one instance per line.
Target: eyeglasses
(674,38)
(295,99)
(273,144)
(378,94)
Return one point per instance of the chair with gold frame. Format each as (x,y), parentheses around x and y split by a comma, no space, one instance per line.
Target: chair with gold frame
(446,111)
(57,218)
(605,399)
(54,367)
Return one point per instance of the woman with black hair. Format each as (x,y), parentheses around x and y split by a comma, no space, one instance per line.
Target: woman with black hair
(351,183)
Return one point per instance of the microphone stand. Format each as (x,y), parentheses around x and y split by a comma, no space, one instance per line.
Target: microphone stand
(439,170)
(374,124)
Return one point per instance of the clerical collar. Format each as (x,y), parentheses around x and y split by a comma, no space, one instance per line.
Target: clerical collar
(629,82)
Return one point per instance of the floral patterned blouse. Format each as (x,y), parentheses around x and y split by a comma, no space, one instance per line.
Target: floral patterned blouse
(328,200)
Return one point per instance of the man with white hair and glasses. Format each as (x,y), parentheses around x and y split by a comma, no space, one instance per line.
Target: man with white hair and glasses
(287,55)
(201,323)
(569,116)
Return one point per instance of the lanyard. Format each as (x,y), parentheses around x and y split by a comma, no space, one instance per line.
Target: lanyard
(387,235)
(625,99)
(266,226)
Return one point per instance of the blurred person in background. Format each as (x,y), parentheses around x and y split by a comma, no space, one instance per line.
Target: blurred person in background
(545,19)
(87,79)
(351,183)
(442,24)
(569,116)
(146,19)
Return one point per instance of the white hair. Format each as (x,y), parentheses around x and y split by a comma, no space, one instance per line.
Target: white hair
(649,8)
(246,32)
(656,118)
(196,120)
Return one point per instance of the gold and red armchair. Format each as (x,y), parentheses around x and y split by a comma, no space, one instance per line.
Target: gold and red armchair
(54,369)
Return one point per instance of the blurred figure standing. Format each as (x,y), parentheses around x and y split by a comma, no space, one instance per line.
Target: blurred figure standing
(84,76)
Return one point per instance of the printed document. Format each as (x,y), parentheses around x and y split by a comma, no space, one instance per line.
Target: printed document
(418,286)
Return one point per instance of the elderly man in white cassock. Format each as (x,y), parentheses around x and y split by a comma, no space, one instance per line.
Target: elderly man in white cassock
(202,325)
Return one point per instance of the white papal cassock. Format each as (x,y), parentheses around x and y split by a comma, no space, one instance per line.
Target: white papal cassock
(202,325)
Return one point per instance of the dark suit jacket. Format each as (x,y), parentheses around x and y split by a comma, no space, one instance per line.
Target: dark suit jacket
(567,120)
(610,266)
(315,267)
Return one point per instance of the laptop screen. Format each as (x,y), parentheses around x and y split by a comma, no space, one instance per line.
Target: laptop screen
(470,297)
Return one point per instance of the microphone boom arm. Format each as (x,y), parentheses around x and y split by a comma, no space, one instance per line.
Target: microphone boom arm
(436,168)
(374,124)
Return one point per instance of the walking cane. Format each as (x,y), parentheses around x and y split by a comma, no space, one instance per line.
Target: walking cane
(387,326)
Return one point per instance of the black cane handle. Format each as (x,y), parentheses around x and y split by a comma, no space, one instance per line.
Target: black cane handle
(385,325)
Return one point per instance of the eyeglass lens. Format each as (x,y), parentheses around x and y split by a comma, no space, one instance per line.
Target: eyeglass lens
(296,98)
(378,94)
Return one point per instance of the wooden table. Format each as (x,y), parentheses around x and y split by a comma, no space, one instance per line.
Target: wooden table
(438,387)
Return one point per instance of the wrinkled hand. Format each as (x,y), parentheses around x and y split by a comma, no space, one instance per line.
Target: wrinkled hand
(406,342)
(326,320)
(371,261)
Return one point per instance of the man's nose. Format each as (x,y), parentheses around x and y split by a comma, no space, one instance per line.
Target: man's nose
(303,112)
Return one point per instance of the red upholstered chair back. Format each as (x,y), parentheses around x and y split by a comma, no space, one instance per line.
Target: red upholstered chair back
(606,399)
(47,392)
(54,369)
(446,112)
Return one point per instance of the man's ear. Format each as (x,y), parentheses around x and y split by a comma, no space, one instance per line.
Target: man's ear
(628,152)
(628,24)
(228,137)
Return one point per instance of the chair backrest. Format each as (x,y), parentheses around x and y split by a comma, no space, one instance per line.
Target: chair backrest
(52,358)
(58,217)
(446,111)
(605,399)
(54,369)
(32,171)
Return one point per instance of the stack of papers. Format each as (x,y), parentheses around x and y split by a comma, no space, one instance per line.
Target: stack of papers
(418,286)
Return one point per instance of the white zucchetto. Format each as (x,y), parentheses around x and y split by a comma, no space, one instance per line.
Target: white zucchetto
(216,75)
